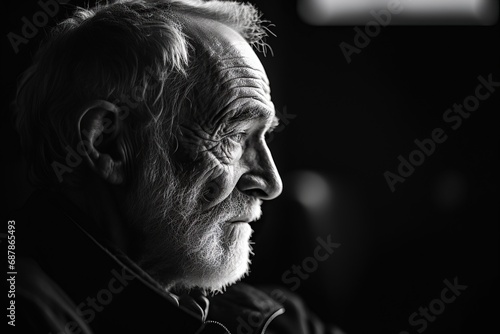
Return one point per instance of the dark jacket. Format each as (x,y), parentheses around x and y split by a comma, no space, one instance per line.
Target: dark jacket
(71,280)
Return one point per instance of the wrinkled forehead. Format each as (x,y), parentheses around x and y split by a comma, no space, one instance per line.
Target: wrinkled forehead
(224,46)
(222,42)
(233,79)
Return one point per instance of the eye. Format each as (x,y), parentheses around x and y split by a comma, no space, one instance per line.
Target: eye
(238,137)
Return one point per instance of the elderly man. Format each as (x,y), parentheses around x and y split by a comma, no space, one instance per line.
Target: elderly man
(144,125)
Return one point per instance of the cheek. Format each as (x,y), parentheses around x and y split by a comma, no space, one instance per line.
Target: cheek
(218,173)
(219,182)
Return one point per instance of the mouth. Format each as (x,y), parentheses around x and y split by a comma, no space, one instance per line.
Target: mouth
(244,219)
(253,214)
(240,220)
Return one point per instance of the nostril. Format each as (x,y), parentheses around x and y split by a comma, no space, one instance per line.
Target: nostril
(265,186)
(258,193)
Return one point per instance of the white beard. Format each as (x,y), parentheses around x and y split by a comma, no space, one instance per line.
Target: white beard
(220,264)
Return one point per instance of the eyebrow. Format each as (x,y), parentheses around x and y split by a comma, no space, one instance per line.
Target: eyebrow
(247,114)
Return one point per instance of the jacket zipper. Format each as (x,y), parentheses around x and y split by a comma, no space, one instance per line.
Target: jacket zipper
(264,328)
(218,323)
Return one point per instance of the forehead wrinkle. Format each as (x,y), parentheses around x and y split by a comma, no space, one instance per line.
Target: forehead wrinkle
(238,63)
(241,76)
(232,74)
(235,62)
(221,72)
(242,82)
(235,79)
(241,72)
(247,82)
(225,95)
(241,96)
(231,87)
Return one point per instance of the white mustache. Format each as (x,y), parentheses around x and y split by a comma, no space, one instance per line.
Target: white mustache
(248,212)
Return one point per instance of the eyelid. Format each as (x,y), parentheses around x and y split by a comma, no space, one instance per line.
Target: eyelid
(240,135)
(242,130)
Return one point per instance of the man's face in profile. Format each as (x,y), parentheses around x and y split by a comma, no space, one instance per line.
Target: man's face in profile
(193,221)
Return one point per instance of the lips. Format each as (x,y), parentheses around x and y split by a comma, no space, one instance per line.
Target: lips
(243,219)
(252,214)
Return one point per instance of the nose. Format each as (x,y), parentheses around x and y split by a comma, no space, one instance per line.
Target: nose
(262,180)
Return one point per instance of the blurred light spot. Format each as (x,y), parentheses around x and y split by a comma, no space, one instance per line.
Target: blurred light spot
(450,190)
(311,190)
(399,12)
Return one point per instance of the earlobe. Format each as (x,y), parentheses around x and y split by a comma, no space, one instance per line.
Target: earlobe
(100,130)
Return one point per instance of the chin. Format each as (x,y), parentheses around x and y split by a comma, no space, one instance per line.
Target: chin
(218,272)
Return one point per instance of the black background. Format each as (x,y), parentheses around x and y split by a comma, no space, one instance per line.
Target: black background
(351,123)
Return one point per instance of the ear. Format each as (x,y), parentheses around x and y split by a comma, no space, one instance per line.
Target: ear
(101,131)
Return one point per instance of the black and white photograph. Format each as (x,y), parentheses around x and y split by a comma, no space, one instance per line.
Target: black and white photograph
(251,167)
